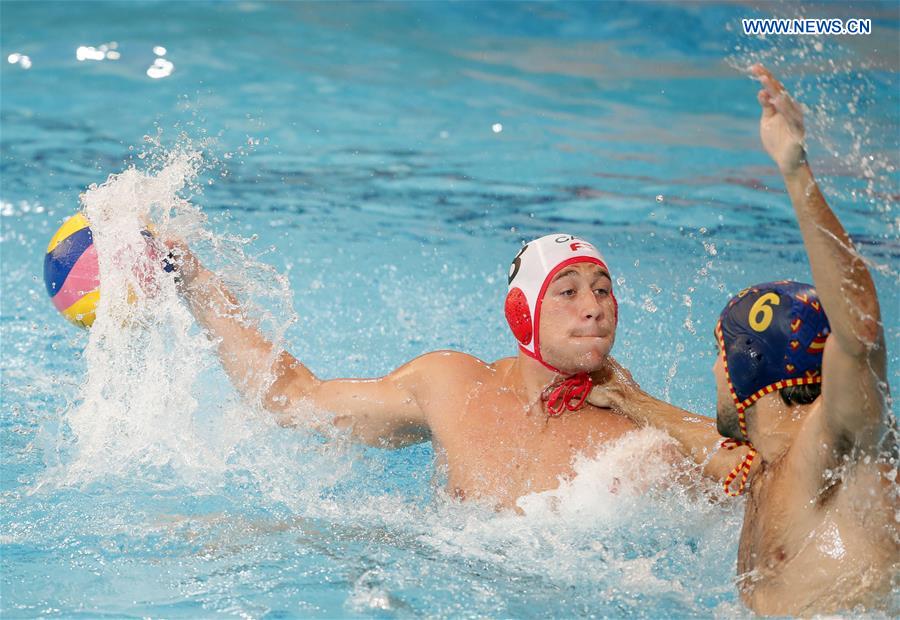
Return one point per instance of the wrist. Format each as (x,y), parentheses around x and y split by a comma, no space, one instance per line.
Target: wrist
(194,281)
(797,166)
(639,399)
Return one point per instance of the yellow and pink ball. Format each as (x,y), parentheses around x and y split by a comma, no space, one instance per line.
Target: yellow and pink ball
(72,271)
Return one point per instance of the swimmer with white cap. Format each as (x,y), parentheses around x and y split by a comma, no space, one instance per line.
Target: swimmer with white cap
(504,429)
(807,395)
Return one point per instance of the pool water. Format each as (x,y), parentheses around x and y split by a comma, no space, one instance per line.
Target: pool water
(362,174)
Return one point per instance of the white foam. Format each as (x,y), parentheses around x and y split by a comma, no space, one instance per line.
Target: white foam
(137,404)
(618,477)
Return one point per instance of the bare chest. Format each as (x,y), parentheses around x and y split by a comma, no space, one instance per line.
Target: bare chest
(799,557)
(498,447)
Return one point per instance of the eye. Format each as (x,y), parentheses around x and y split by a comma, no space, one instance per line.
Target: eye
(569,292)
(603,292)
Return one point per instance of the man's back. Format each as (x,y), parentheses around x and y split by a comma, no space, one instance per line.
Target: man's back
(821,554)
(498,446)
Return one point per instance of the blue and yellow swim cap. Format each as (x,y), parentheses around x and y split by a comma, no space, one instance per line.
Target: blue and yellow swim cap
(773,336)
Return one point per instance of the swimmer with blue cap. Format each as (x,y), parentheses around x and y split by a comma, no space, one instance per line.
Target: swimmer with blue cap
(802,393)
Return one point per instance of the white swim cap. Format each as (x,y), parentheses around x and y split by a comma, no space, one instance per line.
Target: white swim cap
(529,276)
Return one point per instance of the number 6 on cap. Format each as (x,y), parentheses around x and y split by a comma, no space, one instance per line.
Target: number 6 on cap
(761,313)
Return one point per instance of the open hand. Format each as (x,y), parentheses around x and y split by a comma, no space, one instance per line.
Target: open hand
(612,385)
(781,125)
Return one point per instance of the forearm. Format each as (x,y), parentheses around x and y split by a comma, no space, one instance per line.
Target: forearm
(854,360)
(248,357)
(696,435)
(384,412)
(842,279)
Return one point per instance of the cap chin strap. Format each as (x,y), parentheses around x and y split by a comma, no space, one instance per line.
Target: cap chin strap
(742,469)
(539,359)
(567,394)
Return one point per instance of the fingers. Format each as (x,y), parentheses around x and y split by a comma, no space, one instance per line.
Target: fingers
(775,98)
(763,74)
(600,397)
(765,100)
(772,86)
(603,397)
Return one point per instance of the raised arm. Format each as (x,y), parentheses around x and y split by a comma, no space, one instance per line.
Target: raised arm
(854,365)
(386,411)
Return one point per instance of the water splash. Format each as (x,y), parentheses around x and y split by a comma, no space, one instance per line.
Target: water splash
(150,406)
(836,82)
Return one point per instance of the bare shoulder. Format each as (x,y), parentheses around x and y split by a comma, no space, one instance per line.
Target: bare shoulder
(444,379)
(451,367)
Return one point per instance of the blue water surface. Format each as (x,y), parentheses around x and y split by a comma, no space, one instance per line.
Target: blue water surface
(390,159)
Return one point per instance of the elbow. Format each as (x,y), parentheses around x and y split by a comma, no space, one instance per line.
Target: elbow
(276,402)
(865,338)
(864,314)
(287,390)
(857,327)
(870,333)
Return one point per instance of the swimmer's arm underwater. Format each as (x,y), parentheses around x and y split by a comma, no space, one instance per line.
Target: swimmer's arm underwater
(384,412)
(854,384)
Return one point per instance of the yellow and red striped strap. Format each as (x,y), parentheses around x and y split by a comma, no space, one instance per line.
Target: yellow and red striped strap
(742,469)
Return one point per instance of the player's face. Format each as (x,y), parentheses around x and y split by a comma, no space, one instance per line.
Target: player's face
(578,322)
(726,413)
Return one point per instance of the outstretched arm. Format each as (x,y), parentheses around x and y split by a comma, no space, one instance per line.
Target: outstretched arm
(854,365)
(385,411)
(695,435)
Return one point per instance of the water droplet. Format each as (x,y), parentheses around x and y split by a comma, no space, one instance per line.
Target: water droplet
(160,68)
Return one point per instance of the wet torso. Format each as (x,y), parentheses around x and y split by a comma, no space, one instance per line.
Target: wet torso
(498,447)
(840,550)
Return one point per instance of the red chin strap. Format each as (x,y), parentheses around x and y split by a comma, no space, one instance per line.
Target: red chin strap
(569,394)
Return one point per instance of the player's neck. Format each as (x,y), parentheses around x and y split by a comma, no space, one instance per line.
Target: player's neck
(532,377)
(773,427)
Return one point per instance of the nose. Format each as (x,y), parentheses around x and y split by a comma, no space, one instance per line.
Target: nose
(591,308)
